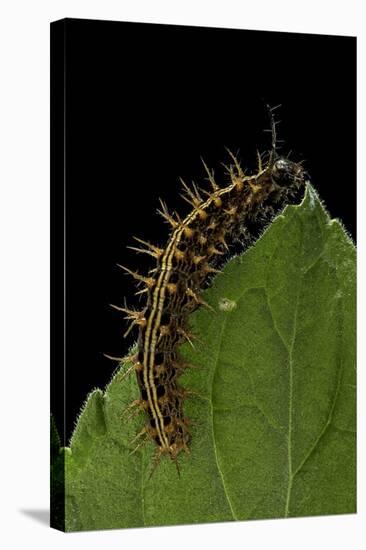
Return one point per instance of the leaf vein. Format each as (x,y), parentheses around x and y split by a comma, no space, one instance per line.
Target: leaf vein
(327,423)
(213,424)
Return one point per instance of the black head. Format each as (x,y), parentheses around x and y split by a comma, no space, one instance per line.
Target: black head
(286,173)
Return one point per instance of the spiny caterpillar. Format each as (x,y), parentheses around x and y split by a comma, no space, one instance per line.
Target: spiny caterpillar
(196,243)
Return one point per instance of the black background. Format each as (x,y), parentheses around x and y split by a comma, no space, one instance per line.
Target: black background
(143,103)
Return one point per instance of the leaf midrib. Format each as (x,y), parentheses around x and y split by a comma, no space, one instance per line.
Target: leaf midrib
(213,422)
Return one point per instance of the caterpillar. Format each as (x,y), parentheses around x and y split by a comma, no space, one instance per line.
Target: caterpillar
(196,244)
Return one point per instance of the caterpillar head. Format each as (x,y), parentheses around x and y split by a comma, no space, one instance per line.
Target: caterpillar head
(286,173)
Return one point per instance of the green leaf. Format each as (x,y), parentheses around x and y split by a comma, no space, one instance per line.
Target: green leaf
(274,401)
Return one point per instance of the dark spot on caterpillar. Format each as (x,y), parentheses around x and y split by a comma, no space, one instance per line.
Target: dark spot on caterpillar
(165,319)
(140,378)
(147,313)
(167,420)
(159,358)
(174,277)
(160,390)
